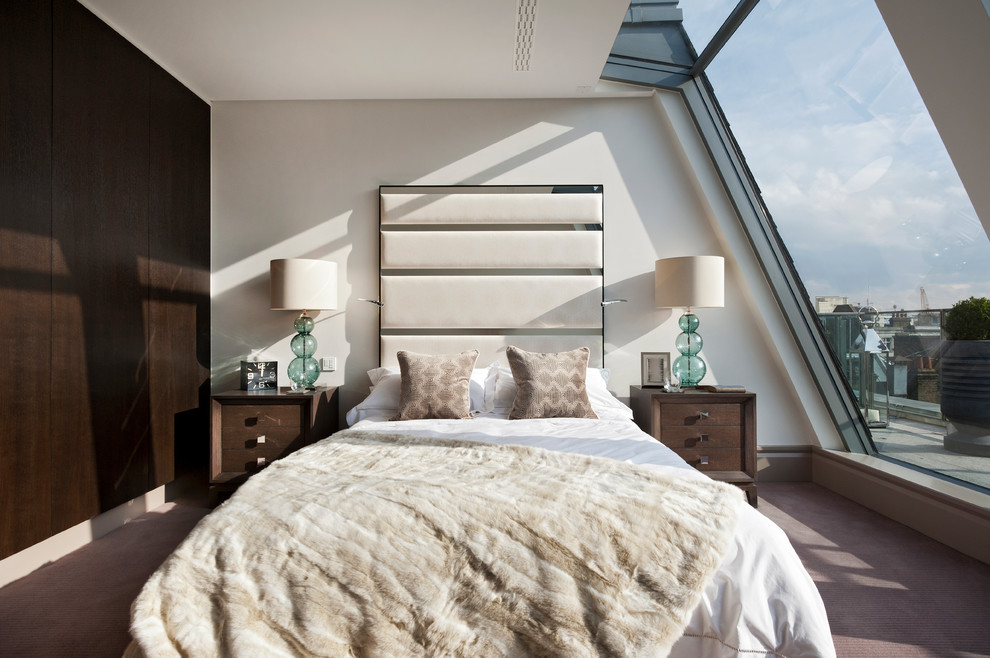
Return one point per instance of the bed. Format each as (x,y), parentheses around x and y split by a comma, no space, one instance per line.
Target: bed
(491,496)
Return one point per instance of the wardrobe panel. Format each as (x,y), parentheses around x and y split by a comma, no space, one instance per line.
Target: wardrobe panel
(25,273)
(179,348)
(100,227)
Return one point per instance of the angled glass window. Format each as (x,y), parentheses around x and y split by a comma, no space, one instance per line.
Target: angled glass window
(703,18)
(848,159)
(866,199)
(850,200)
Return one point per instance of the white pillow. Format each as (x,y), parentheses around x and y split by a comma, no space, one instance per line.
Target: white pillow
(383,400)
(605,405)
(384,397)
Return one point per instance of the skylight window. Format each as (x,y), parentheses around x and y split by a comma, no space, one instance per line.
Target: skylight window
(868,202)
(848,159)
(848,195)
(703,18)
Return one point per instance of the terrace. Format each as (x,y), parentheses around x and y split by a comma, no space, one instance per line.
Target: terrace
(891,362)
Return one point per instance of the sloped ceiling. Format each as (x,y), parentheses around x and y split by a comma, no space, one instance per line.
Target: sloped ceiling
(946,46)
(373,49)
(393,49)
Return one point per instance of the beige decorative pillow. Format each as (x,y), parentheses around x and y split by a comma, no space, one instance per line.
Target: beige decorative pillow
(549,385)
(435,385)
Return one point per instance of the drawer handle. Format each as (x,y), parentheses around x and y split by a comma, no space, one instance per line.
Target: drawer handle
(262,461)
(261,439)
(702,414)
(703,460)
(702,437)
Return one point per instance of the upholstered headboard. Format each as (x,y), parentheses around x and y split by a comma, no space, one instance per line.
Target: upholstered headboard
(483,267)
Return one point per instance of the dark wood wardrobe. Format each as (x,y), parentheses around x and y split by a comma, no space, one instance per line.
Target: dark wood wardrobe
(104,271)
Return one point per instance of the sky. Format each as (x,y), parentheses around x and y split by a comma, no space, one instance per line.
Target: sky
(848,160)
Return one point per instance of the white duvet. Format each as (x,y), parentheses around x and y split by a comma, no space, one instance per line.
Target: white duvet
(760,602)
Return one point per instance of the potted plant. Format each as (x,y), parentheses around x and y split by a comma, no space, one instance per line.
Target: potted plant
(965,377)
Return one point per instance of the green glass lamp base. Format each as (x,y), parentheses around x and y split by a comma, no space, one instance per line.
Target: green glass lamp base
(689,368)
(303,370)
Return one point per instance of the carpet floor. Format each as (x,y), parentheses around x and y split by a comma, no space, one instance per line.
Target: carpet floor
(79,606)
(888,590)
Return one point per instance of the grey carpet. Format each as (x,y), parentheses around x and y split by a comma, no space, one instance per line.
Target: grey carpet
(79,606)
(888,590)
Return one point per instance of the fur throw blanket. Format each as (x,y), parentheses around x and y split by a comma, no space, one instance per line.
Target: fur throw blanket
(372,544)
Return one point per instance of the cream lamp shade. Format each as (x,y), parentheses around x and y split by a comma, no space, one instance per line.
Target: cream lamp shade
(690,282)
(299,284)
(303,284)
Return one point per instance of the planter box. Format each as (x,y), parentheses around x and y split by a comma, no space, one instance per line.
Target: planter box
(966,395)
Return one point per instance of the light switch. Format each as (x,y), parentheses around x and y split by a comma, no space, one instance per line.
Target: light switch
(328,363)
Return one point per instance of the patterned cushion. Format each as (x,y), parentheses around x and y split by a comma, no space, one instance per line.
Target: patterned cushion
(550,385)
(435,386)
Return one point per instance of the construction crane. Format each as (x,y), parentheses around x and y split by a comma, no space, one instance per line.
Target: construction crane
(926,319)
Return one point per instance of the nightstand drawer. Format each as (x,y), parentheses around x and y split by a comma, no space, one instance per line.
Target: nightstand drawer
(717,459)
(716,436)
(695,414)
(269,442)
(251,417)
(251,429)
(714,432)
(244,455)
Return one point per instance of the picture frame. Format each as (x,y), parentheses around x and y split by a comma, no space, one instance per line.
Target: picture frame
(655,368)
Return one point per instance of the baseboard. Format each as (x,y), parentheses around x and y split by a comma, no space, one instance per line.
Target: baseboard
(57,546)
(952,514)
(783,463)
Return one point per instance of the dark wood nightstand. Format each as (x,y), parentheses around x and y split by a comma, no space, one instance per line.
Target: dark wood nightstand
(714,432)
(251,429)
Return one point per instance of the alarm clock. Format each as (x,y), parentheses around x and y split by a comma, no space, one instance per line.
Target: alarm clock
(259,375)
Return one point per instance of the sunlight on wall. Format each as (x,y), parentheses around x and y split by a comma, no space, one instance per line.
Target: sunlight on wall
(495,155)
(303,162)
(19,247)
(255,265)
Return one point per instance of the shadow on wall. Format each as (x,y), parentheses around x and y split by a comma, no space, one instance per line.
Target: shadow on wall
(243,325)
(257,328)
(517,142)
(125,363)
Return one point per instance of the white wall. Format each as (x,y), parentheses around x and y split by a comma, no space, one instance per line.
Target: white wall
(300,179)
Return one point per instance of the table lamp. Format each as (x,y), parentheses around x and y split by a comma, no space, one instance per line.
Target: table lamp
(689,282)
(302,284)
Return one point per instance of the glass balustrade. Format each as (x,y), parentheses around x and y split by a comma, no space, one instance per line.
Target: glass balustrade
(892,362)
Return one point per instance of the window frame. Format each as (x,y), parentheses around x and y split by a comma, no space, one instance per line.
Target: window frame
(757,223)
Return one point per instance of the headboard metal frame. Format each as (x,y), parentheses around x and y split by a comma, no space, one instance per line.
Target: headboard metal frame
(483,267)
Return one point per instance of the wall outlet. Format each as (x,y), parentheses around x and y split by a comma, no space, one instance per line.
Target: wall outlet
(328,363)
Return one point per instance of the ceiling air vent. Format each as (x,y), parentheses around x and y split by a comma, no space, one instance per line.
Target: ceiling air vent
(525,24)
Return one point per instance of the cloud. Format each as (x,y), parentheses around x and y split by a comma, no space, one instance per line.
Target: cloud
(848,160)
(866,177)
